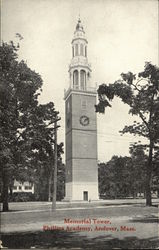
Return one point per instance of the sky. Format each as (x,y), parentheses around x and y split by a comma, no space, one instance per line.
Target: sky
(122,35)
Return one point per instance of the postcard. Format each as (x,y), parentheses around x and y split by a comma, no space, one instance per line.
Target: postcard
(79,101)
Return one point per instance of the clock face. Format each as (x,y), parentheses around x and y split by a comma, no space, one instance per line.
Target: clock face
(84,120)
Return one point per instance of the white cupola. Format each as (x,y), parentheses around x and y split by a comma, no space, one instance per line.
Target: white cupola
(79,68)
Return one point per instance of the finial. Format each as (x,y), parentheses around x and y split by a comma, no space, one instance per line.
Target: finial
(79,26)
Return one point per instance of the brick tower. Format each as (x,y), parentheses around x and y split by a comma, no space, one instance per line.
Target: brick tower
(81,125)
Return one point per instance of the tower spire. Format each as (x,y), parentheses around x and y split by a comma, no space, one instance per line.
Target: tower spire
(79,67)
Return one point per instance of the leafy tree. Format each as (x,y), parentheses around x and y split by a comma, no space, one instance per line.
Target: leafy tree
(123,176)
(155,173)
(18,87)
(115,177)
(138,171)
(43,174)
(60,181)
(142,96)
(26,133)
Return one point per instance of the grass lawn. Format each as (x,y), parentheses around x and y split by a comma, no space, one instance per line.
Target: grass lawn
(108,228)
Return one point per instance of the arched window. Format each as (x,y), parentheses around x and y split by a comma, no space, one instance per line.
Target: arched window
(76,49)
(75,79)
(81,49)
(83,79)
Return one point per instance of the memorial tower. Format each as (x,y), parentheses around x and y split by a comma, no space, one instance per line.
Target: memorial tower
(81,125)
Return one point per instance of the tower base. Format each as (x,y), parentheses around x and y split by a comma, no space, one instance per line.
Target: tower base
(81,191)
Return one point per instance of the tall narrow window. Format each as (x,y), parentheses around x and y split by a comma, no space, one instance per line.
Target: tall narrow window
(76,49)
(83,79)
(72,51)
(83,104)
(86,51)
(75,79)
(81,49)
(68,107)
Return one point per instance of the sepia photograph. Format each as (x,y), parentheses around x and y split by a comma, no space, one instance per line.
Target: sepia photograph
(79,124)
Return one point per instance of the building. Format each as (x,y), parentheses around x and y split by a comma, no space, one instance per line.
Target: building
(81,125)
(20,187)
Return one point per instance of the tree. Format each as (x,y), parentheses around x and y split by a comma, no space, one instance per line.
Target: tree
(60,181)
(25,133)
(142,96)
(43,175)
(123,176)
(138,171)
(18,96)
(115,177)
(42,143)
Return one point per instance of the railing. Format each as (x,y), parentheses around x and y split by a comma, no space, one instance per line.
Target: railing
(79,89)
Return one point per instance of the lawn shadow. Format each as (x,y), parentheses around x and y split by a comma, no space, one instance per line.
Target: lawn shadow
(146,219)
(155,205)
(12,210)
(72,240)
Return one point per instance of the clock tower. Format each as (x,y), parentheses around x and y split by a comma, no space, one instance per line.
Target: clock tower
(81,125)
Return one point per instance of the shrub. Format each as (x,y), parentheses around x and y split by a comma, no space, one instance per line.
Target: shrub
(21,197)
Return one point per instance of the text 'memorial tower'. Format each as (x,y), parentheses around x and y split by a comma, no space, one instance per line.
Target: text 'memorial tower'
(81,125)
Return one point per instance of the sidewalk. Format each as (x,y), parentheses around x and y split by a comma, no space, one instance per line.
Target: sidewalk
(40,206)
